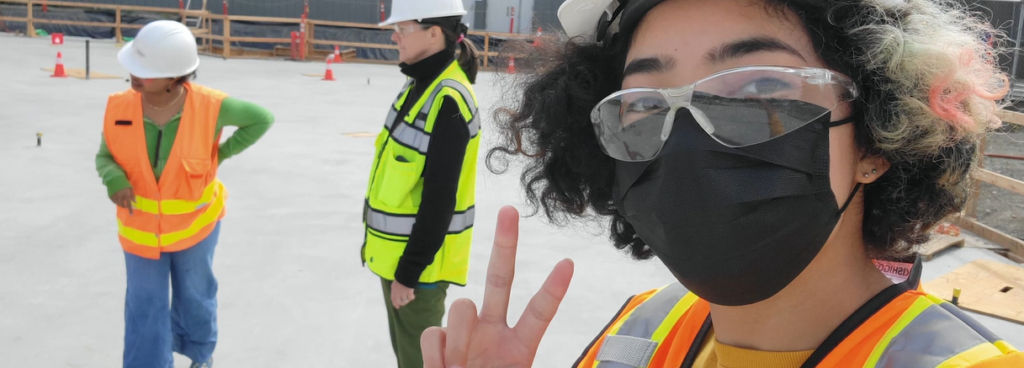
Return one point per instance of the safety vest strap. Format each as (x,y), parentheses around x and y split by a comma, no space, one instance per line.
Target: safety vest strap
(401,225)
(474,122)
(634,342)
(393,112)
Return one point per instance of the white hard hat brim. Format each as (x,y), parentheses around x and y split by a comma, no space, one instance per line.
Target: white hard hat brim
(138,68)
(580,17)
(393,19)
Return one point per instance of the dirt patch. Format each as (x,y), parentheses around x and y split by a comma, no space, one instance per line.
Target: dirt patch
(997,207)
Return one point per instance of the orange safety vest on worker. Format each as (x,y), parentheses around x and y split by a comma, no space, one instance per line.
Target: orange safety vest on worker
(901,327)
(185,205)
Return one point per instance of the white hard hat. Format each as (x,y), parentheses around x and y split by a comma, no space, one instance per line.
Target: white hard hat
(403,10)
(162,49)
(598,19)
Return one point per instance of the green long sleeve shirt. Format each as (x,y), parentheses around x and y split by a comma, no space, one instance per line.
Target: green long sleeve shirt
(252,121)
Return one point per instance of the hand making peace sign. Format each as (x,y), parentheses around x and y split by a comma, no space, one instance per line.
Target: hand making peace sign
(486,340)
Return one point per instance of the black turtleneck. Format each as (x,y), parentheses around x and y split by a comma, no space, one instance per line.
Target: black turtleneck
(441,172)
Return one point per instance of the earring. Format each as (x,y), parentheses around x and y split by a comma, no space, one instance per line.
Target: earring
(873,171)
(867,175)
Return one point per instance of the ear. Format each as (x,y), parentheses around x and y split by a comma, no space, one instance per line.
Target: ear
(870,168)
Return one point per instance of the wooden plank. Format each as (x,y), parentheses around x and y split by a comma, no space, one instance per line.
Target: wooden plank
(355,44)
(80,73)
(307,45)
(487,49)
(361,135)
(987,287)
(117,27)
(939,243)
(30,28)
(248,18)
(347,24)
(1000,180)
(14,19)
(227,37)
(1015,258)
(75,23)
(1011,117)
(1014,245)
(260,39)
(975,194)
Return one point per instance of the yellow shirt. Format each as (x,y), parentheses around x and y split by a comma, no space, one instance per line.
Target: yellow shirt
(714,354)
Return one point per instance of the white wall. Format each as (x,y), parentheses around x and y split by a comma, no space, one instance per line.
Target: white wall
(498,17)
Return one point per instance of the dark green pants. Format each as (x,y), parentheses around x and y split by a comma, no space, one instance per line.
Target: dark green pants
(409,322)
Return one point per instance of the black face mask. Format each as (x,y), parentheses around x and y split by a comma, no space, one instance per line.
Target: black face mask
(735,225)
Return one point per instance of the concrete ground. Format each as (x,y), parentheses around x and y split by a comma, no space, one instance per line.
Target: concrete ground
(292,290)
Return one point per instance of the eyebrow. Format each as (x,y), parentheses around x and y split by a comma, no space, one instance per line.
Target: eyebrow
(747,46)
(660,64)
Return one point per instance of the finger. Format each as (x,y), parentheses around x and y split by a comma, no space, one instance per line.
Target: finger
(432,343)
(542,308)
(394,298)
(502,267)
(462,321)
(131,209)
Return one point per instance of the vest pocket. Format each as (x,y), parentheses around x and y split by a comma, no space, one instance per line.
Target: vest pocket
(401,173)
(195,178)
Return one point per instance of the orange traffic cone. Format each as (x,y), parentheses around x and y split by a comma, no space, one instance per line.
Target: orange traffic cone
(329,76)
(512,65)
(536,38)
(58,71)
(337,55)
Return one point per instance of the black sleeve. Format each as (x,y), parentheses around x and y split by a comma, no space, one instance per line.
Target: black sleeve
(441,172)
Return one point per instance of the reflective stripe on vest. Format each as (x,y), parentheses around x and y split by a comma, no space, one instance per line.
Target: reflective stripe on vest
(177,206)
(633,343)
(401,225)
(417,138)
(393,113)
(926,336)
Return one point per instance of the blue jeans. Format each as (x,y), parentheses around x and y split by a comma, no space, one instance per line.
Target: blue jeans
(186,322)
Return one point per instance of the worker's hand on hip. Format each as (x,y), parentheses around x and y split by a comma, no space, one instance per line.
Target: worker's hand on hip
(401,295)
(485,340)
(125,198)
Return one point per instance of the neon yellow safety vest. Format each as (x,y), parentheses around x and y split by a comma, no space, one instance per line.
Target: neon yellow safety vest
(396,183)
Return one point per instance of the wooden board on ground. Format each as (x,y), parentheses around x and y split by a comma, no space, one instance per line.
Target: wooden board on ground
(360,135)
(80,74)
(939,243)
(987,287)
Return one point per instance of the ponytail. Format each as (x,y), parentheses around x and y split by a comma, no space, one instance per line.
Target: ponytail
(467,58)
(455,38)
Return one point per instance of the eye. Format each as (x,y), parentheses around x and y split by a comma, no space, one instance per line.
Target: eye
(766,87)
(645,105)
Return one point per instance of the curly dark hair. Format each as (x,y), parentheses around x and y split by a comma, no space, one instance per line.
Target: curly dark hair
(929,91)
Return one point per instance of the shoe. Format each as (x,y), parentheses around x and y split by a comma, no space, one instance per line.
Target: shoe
(206,364)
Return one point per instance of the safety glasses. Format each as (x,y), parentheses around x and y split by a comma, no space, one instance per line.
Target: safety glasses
(403,31)
(737,107)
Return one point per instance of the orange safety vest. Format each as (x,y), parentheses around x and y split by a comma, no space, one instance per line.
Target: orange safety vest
(901,327)
(185,206)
